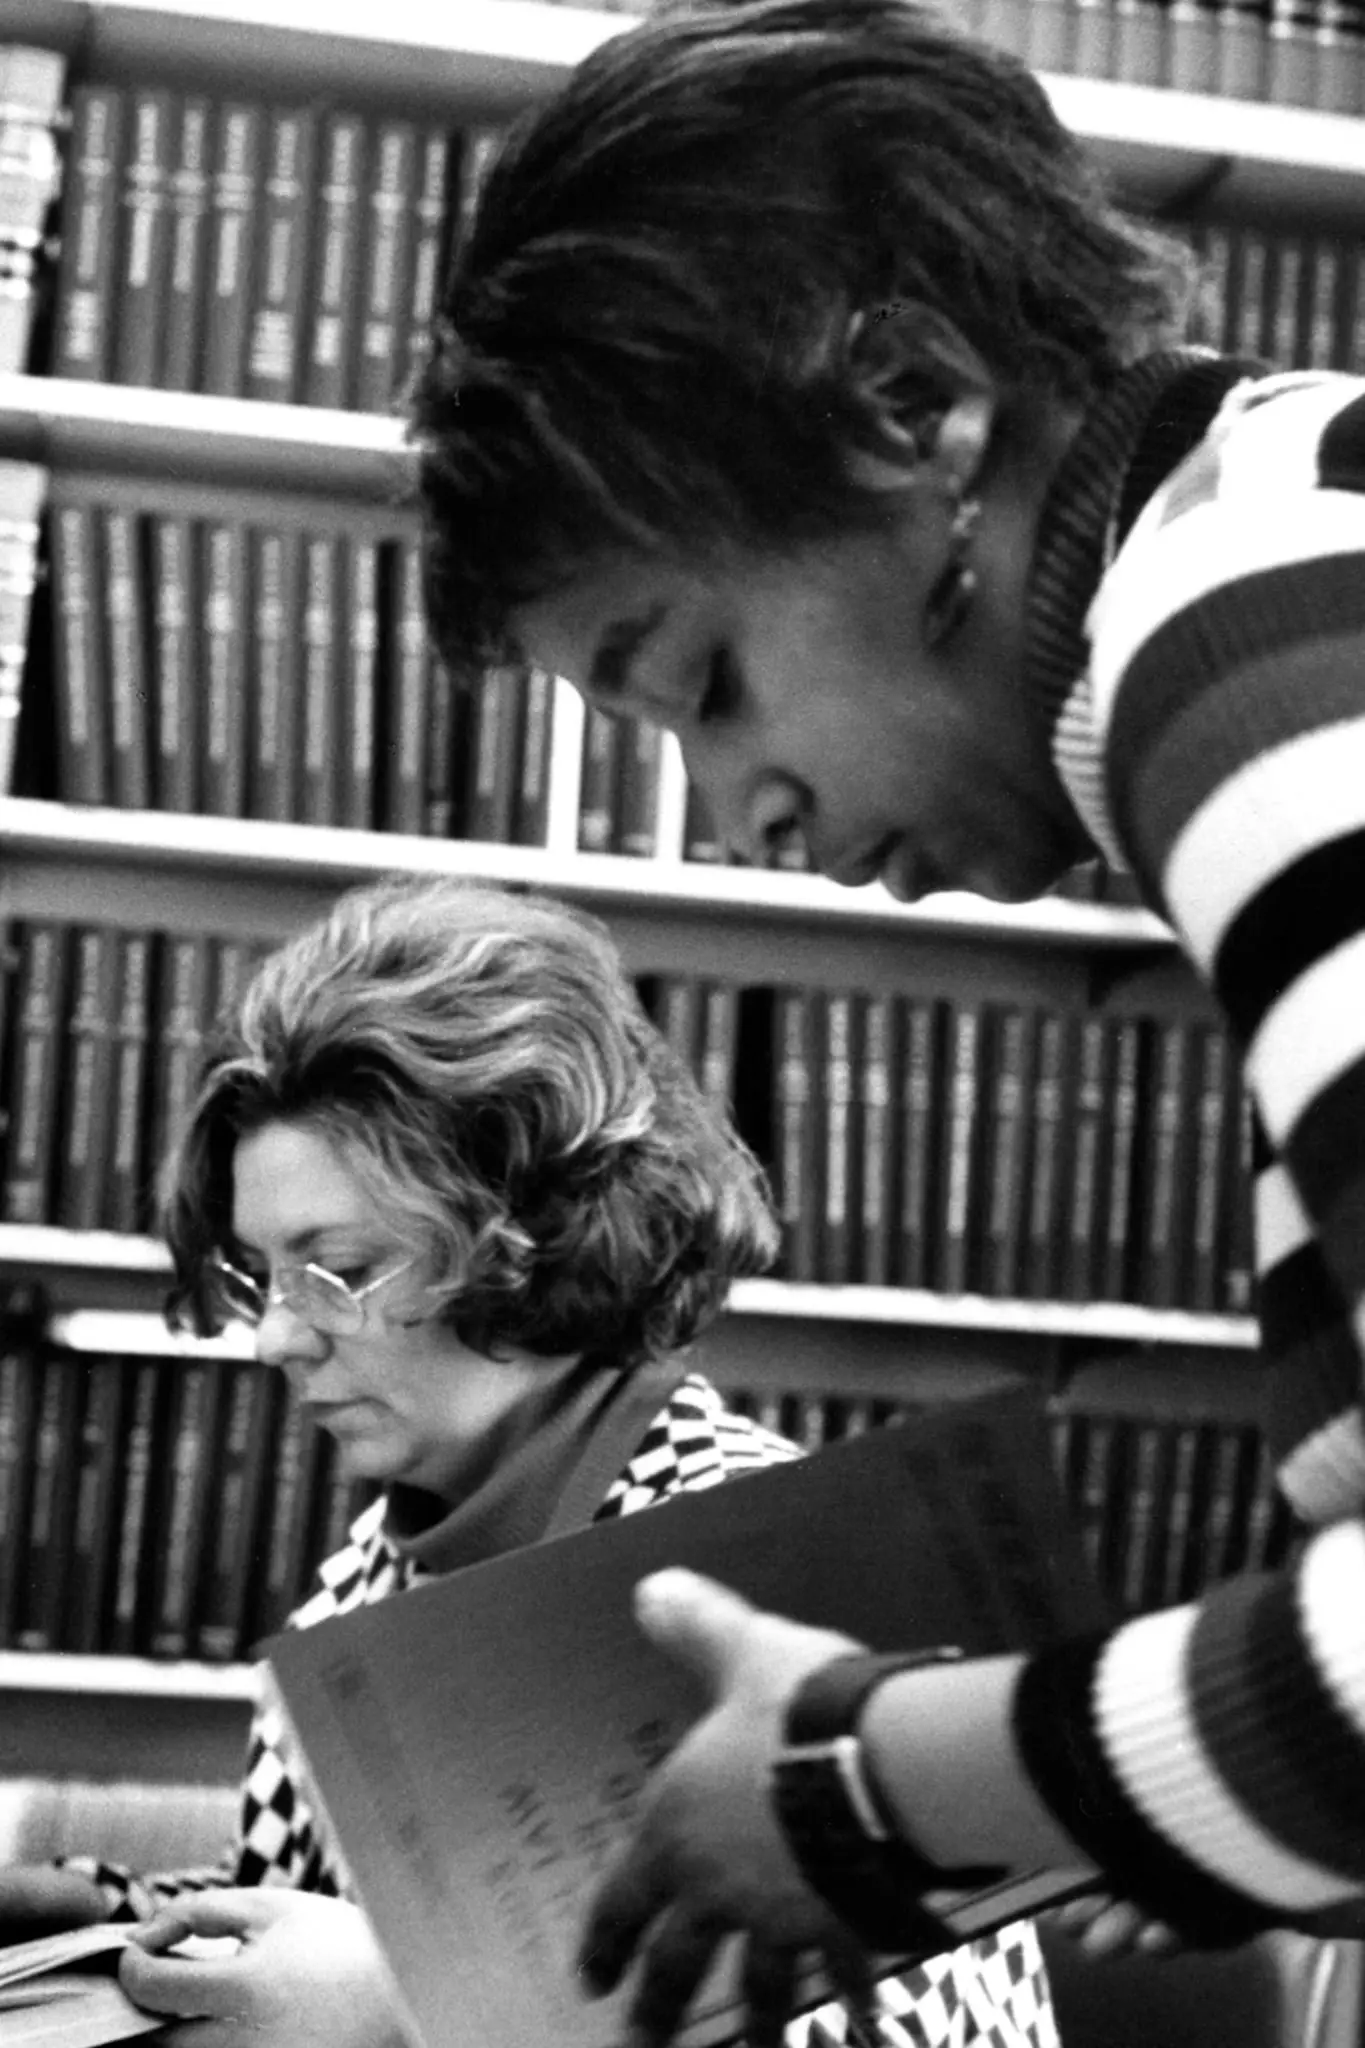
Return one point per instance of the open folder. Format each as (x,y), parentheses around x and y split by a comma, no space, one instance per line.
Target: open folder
(478,1746)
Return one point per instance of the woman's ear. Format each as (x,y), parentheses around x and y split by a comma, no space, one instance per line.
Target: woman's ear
(922,395)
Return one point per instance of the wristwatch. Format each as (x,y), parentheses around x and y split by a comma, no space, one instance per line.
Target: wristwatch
(836,1825)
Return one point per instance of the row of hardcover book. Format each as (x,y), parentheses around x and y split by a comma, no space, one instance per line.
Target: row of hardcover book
(993,1148)
(230,246)
(157,1506)
(1299,52)
(178,1506)
(1166,1503)
(229,667)
(1293,299)
(917,1141)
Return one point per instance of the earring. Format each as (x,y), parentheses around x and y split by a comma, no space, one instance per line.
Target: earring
(955,586)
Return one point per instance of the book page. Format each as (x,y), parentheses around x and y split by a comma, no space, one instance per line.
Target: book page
(479,1745)
(69,2009)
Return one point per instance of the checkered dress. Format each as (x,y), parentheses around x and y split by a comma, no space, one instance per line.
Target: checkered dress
(992,1993)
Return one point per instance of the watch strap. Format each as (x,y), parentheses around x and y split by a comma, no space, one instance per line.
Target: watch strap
(835,1823)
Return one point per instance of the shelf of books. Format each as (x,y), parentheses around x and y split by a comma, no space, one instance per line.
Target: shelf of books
(995,1136)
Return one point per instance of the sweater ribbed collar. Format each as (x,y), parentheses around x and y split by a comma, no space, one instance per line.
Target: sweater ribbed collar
(1128,442)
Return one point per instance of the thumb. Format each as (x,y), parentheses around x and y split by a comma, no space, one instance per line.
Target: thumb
(700,1623)
(224,1912)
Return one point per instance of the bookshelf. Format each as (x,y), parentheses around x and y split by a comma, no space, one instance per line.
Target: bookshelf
(179,873)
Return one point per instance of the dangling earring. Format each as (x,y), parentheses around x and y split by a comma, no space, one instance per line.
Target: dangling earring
(950,599)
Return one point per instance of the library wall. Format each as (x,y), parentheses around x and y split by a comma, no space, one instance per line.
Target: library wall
(1003,1144)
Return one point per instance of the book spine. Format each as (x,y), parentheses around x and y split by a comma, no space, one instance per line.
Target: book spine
(1222,1532)
(320,663)
(359,663)
(181,1017)
(838,1157)
(35,1074)
(247,1426)
(919,1082)
(129,720)
(797,1195)
(1093,39)
(445,730)
(1004,1188)
(701,839)
(1210,1061)
(1288,311)
(1085,1193)
(1291,52)
(1115,1275)
(386,278)
(1167,1169)
(185,1505)
(961,1147)
(126,1204)
(598,783)
(95,1511)
(87,1092)
(1049,35)
(273,578)
(328,377)
(1045,1154)
(1210,323)
(678,1012)
(430,236)
(636,828)
(877,1177)
(20,1377)
(1148,1450)
(83,321)
(273,345)
(1339,58)
(1239,1250)
(495,755)
(1325,340)
(141,292)
(1248,307)
(232,962)
(22,489)
(1140,54)
(146,1400)
(1096,1517)
(407,666)
(1178,1520)
(174,667)
(537,750)
(235,196)
(1242,49)
(1192,46)
(719,1046)
(83,771)
(187,258)
(47,1553)
(223,591)
(287,1544)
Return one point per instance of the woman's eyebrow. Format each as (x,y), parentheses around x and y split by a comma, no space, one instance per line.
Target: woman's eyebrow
(609,673)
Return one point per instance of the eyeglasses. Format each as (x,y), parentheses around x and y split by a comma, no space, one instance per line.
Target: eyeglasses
(317,1297)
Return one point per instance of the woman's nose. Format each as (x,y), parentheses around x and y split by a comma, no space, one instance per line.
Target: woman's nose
(282,1336)
(771,817)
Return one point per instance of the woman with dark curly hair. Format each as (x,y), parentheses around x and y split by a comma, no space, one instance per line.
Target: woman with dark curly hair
(476,1209)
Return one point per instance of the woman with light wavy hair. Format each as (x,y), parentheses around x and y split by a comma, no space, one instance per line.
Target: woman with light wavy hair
(475,1209)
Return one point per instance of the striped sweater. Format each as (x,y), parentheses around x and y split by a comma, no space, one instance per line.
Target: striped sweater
(1198,649)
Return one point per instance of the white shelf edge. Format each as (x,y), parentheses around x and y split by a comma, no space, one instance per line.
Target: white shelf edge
(143,1332)
(916,1308)
(331,856)
(125,1677)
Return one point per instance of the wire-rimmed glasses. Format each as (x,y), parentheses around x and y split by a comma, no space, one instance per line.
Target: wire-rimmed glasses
(320,1298)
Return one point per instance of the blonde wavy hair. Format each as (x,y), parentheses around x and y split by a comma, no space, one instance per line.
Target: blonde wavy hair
(482,1064)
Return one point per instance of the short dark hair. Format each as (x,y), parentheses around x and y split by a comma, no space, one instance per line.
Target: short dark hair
(482,1064)
(643,341)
